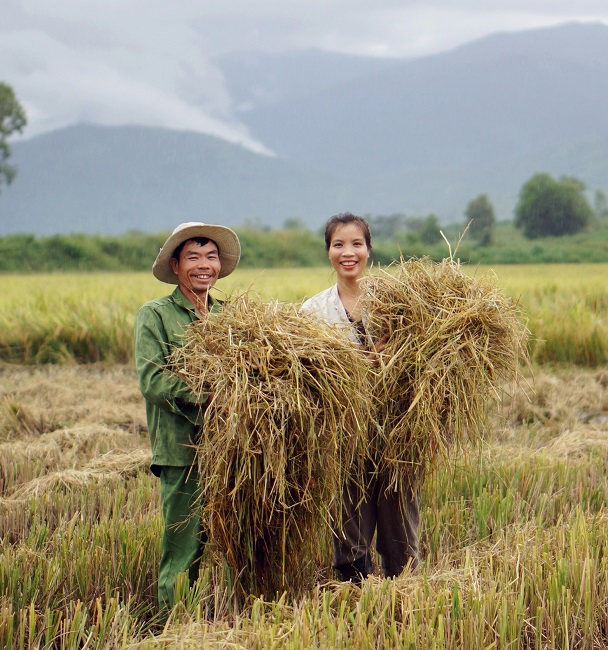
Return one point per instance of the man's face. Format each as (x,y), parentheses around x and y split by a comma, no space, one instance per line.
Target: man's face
(197,268)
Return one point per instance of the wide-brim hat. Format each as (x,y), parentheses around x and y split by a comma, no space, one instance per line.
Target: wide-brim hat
(227,243)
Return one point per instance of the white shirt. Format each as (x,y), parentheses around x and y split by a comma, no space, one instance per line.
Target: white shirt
(328,306)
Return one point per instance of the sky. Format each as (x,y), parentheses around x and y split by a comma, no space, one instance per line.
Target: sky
(150,62)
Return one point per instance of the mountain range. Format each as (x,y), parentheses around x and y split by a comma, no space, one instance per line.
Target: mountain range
(376,136)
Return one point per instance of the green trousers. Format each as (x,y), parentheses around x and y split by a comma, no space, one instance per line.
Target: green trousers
(183,538)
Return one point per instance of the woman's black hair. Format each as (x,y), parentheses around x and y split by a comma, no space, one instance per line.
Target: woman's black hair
(342,219)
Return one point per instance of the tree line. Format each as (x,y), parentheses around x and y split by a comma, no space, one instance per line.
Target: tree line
(292,247)
(135,251)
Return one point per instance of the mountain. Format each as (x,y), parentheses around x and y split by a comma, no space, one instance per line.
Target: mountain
(97,179)
(371,136)
(504,95)
(262,79)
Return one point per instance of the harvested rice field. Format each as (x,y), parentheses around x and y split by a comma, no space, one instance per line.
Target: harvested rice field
(514,531)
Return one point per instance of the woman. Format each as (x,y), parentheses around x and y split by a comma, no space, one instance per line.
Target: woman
(393,515)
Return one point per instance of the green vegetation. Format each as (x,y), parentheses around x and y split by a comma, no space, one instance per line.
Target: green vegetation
(296,247)
(554,223)
(512,247)
(85,318)
(514,536)
(480,214)
(136,251)
(548,207)
(12,120)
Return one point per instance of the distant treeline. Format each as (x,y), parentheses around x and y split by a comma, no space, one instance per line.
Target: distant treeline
(296,246)
(135,251)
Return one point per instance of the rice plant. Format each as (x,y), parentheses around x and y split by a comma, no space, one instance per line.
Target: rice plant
(513,534)
(68,318)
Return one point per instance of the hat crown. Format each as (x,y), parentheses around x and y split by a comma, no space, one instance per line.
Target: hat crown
(187,224)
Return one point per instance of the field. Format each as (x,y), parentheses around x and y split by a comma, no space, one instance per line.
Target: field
(514,536)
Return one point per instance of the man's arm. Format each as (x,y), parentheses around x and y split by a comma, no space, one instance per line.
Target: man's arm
(152,349)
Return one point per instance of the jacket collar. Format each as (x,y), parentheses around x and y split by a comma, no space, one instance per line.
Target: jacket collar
(182,301)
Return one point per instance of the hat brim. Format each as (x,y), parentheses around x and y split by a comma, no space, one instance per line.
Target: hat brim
(226,239)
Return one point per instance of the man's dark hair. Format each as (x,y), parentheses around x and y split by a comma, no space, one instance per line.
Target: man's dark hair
(199,240)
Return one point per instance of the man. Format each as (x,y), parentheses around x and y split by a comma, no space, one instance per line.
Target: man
(193,257)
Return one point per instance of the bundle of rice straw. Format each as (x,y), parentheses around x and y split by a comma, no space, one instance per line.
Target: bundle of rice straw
(288,423)
(454,340)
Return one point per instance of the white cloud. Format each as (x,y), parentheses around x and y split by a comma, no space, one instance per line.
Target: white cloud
(78,70)
(149,61)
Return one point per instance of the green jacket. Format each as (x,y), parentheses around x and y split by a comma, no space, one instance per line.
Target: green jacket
(174,413)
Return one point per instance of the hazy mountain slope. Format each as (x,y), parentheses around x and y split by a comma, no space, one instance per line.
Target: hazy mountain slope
(111,179)
(256,79)
(402,136)
(506,93)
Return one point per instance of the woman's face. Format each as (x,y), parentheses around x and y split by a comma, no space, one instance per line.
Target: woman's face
(348,252)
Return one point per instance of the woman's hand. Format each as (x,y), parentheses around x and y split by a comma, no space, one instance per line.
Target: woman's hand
(380,344)
(378,349)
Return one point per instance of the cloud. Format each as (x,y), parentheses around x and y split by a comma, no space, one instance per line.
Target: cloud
(150,72)
(383,28)
(150,61)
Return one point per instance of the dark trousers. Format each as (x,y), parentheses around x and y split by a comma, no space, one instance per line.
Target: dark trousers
(393,515)
(183,538)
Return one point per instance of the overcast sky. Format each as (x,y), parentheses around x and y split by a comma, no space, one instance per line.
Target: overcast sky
(149,61)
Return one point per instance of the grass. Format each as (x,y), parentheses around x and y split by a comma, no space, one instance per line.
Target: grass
(514,536)
(83,318)
(567,307)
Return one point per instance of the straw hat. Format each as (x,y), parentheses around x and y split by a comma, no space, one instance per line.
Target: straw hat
(227,242)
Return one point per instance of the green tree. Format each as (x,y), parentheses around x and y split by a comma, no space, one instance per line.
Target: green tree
(294,223)
(429,233)
(600,204)
(549,207)
(386,226)
(480,213)
(12,120)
